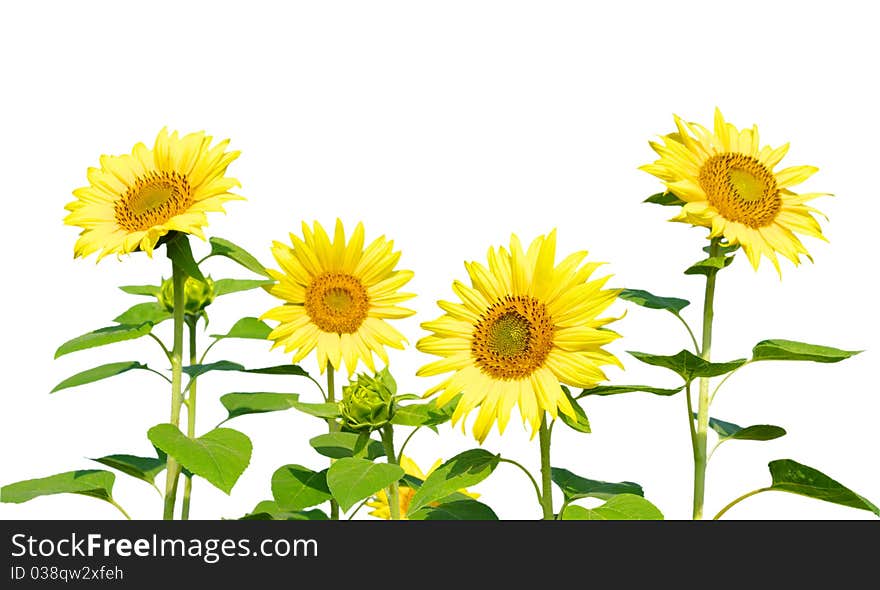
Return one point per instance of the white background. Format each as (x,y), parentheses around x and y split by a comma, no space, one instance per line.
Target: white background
(445,126)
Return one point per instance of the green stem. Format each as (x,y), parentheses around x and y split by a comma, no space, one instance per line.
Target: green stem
(190,413)
(546,481)
(738,500)
(178,279)
(690,332)
(406,442)
(700,456)
(393,496)
(333,426)
(120,508)
(532,479)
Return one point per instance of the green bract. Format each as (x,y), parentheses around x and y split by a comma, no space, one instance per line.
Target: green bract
(197,295)
(367,403)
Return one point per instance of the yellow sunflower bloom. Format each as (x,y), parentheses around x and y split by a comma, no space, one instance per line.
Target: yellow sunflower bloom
(379,502)
(135,199)
(337,297)
(524,327)
(728,183)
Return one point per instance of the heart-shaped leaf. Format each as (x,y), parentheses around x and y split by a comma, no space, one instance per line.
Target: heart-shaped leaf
(651,301)
(688,365)
(221,247)
(465,469)
(427,414)
(796,478)
(241,404)
(227,286)
(150,312)
(622,507)
(103,337)
(295,487)
(574,486)
(98,373)
(220,456)
(456,510)
(351,480)
(247,328)
(789,350)
(142,468)
(339,445)
(96,483)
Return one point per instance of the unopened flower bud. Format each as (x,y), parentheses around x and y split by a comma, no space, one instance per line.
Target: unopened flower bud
(197,295)
(367,403)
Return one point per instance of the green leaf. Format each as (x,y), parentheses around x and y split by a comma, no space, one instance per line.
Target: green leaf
(709,266)
(457,510)
(351,480)
(722,249)
(666,199)
(221,247)
(197,370)
(688,365)
(295,487)
(795,478)
(281,370)
(147,290)
(574,486)
(180,253)
(622,507)
(243,403)
(341,445)
(651,301)
(143,468)
(465,469)
(219,456)
(322,410)
(227,286)
(96,483)
(247,328)
(151,312)
(731,431)
(427,414)
(103,337)
(789,350)
(580,422)
(615,389)
(98,373)
(386,379)
(269,510)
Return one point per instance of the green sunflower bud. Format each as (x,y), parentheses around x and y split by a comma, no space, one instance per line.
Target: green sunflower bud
(367,403)
(197,295)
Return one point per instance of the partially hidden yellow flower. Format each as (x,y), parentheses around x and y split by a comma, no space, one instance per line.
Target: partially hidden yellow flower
(523,327)
(728,184)
(337,296)
(405,494)
(135,199)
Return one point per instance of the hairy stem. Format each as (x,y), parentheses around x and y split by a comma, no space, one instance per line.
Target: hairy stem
(178,279)
(546,481)
(393,494)
(700,457)
(190,412)
(333,426)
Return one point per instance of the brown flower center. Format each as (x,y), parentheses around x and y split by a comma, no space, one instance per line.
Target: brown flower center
(741,188)
(513,337)
(154,199)
(337,302)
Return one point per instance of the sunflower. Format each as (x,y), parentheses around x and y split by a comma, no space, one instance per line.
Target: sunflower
(524,327)
(337,297)
(133,200)
(379,502)
(728,184)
